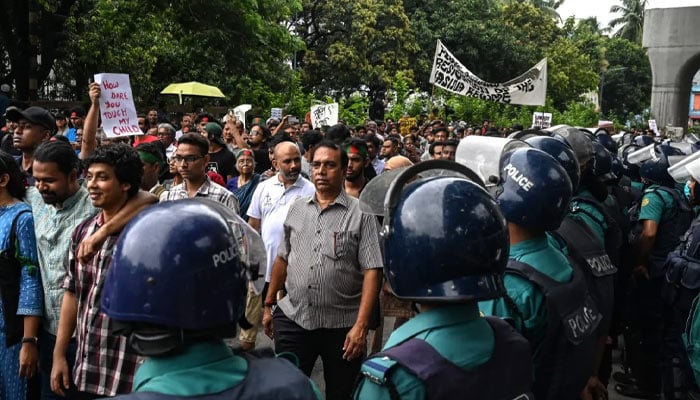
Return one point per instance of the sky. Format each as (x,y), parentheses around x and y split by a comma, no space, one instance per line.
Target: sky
(601,8)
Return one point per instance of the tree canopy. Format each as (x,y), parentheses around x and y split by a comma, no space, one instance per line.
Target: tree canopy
(288,53)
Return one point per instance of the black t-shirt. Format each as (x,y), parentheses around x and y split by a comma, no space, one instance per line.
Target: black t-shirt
(262,159)
(222,162)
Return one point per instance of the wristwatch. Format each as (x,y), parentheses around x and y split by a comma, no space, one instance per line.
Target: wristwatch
(34,340)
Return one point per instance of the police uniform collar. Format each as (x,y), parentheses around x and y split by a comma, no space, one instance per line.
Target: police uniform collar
(432,319)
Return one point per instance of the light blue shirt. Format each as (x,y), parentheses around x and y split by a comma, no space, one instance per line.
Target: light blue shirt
(54,226)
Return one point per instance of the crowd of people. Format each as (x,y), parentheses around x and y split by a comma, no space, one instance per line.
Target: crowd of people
(524,256)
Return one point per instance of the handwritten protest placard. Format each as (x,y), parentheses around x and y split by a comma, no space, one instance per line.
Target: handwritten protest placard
(276,113)
(529,88)
(240,111)
(324,115)
(654,127)
(542,119)
(117,105)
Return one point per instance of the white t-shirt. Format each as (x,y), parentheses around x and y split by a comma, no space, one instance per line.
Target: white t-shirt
(270,204)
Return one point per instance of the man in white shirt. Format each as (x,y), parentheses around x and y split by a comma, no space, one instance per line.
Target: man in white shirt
(267,212)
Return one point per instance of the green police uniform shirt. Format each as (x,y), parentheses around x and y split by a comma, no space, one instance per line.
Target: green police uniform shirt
(201,369)
(657,204)
(589,214)
(457,332)
(545,258)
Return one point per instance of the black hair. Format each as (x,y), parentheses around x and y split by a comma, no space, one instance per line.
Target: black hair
(16,185)
(450,142)
(333,145)
(279,138)
(413,137)
(372,138)
(200,116)
(393,139)
(441,128)
(266,132)
(124,159)
(195,139)
(337,133)
(59,152)
(310,138)
(431,149)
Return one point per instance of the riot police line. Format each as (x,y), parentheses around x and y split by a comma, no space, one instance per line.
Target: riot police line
(528,258)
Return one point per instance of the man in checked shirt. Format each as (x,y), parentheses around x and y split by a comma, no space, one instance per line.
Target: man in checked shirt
(104,363)
(330,264)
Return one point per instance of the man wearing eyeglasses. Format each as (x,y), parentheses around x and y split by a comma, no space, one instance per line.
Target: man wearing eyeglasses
(191,159)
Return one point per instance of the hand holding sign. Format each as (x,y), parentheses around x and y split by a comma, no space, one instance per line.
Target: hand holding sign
(116,105)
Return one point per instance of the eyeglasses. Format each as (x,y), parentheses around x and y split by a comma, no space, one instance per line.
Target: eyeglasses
(187,159)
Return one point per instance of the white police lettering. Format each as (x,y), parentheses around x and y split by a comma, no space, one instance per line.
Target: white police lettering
(582,321)
(223,257)
(519,178)
(601,264)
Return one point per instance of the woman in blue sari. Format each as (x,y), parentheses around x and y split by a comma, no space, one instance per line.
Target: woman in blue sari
(243,186)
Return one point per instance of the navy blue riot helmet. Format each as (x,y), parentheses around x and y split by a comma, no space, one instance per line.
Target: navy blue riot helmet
(445,239)
(655,170)
(536,190)
(608,142)
(561,151)
(187,280)
(602,162)
(643,140)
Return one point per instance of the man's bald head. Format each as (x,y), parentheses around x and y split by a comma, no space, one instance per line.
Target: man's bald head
(287,161)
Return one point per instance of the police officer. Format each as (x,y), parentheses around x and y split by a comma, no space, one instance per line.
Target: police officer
(580,241)
(445,248)
(663,216)
(176,295)
(546,297)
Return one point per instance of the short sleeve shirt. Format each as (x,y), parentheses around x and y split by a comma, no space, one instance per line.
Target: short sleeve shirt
(656,204)
(327,251)
(270,204)
(210,190)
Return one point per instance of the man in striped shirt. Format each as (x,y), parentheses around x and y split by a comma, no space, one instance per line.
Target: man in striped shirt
(329,262)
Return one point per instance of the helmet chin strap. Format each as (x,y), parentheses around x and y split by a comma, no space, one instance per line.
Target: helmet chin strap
(156,343)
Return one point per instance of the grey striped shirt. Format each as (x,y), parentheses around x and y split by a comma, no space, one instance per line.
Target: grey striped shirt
(326,252)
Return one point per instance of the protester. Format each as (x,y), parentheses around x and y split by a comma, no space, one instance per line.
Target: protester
(21,293)
(329,270)
(243,186)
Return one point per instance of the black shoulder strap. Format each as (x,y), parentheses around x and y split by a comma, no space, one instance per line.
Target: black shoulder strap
(531,274)
(679,201)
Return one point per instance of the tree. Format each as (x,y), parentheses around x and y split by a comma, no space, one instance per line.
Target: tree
(30,30)
(627,80)
(631,21)
(548,7)
(353,44)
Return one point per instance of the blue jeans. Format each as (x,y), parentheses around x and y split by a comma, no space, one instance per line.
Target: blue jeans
(47,342)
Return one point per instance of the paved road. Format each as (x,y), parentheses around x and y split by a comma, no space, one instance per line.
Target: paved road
(317,374)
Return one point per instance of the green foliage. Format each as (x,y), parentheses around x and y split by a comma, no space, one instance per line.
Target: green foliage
(631,20)
(353,44)
(627,80)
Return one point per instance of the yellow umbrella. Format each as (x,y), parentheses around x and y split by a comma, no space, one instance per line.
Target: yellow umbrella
(192,89)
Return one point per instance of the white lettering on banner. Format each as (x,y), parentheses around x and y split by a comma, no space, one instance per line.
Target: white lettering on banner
(224,256)
(519,177)
(529,88)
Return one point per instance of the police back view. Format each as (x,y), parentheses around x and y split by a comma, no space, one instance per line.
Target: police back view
(445,247)
(178,295)
(546,298)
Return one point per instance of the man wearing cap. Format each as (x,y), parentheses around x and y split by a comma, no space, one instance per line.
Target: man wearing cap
(191,159)
(151,156)
(35,126)
(221,160)
(77,117)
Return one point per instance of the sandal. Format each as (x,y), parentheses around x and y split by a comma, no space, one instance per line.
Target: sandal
(632,390)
